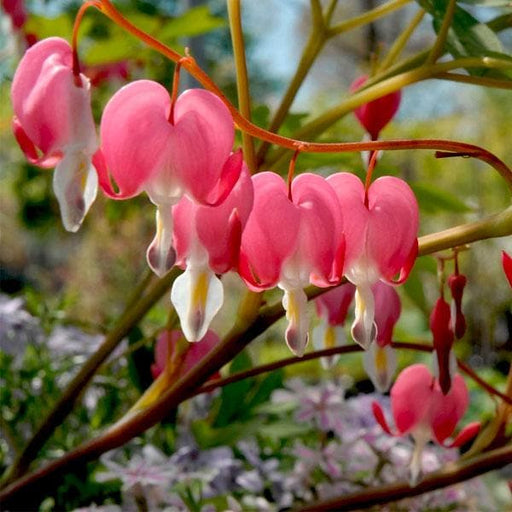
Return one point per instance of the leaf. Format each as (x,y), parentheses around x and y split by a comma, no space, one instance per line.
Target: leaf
(232,396)
(467,37)
(436,200)
(284,429)
(265,388)
(194,22)
(277,408)
(413,288)
(210,437)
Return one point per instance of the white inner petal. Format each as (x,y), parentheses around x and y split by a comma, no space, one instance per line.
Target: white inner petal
(295,303)
(75,184)
(197,296)
(160,254)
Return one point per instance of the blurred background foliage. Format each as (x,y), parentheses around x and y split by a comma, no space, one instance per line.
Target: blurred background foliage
(83,279)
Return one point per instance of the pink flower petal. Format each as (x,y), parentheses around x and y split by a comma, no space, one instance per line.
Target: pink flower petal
(196,351)
(381,419)
(411,396)
(270,235)
(466,434)
(219,231)
(202,142)
(350,192)
(53,111)
(393,225)
(135,134)
(387,311)
(333,304)
(321,241)
(447,410)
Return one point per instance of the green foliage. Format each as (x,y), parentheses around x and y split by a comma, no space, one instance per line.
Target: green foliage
(468,37)
(432,199)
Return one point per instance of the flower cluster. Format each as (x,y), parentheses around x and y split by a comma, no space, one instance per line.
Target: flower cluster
(211,215)
(341,449)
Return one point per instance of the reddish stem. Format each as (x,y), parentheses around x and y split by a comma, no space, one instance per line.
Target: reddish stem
(74,40)
(446,146)
(291,172)
(175,86)
(371,166)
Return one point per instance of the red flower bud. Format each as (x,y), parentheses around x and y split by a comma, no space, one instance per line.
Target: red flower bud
(443,341)
(376,114)
(507,266)
(457,282)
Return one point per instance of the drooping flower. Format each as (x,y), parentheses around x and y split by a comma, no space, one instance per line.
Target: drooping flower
(167,150)
(292,242)
(379,360)
(381,240)
(53,124)
(166,346)
(207,241)
(420,408)
(332,308)
(376,114)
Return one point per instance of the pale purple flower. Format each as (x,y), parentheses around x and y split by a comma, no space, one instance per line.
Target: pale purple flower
(265,474)
(151,467)
(323,405)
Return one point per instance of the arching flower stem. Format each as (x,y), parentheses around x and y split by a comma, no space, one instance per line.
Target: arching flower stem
(369,173)
(74,41)
(175,87)
(366,95)
(291,172)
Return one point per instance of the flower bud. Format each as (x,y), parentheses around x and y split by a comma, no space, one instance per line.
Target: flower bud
(376,114)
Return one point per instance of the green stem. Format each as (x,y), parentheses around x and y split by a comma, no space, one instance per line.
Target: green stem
(314,45)
(70,395)
(438,48)
(481,81)
(249,324)
(242,80)
(328,352)
(329,11)
(401,41)
(362,96)
(373,92)
(316,12)
(367,17)
(492,227)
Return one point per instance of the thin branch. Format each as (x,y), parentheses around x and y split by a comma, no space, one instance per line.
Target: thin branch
(401,41)
(450,474)
(492,227)
(482,81)
(438,48)
(70,395)
(346,349)
(360,97)
(316,12)
(367,17)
